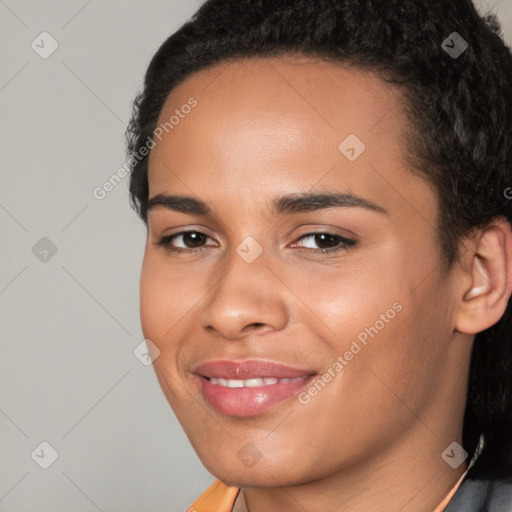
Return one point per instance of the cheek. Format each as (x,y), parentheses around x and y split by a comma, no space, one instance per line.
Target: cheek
(381,312)
(342,301)
(150,302)
(159,304)
(170,297)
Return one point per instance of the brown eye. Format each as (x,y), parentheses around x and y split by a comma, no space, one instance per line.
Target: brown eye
(326,242)
(186,240)
(193,239)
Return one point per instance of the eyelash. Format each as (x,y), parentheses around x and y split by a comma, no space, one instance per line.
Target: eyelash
(345,243)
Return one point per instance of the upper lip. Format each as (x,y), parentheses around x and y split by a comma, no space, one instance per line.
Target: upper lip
(248,369)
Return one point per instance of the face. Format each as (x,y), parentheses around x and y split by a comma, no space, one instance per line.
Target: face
(292,282)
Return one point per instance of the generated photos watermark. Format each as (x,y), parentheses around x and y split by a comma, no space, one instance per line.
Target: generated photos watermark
(115,179)
(341,361)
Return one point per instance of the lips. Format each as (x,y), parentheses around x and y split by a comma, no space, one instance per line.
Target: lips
(248,387)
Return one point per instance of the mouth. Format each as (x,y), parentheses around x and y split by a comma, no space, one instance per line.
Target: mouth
(249,387)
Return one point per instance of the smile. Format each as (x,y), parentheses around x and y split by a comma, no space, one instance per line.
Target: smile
(251,383)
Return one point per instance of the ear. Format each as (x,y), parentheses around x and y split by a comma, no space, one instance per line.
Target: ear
(487,285)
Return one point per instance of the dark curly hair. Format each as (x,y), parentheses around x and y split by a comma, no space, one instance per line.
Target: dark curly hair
(459,109)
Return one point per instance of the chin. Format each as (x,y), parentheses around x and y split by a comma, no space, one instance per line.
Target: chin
(264,472)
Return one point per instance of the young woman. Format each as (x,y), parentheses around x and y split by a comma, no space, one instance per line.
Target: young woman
(326,284)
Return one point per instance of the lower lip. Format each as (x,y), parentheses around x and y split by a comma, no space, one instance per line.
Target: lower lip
(245,402)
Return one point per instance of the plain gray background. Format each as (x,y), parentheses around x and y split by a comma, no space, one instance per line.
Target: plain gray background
(70,318)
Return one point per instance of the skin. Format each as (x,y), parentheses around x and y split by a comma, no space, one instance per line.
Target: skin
(372,438)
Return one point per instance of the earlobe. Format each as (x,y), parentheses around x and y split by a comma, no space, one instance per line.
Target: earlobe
(485,300)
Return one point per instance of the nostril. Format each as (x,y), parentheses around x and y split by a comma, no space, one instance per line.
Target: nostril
(254,326)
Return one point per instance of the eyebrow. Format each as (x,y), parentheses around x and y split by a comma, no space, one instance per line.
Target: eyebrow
(293,203)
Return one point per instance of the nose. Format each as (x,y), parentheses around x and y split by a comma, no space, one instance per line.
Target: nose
(246,298)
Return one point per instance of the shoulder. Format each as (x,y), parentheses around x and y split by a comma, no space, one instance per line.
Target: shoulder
(482,496)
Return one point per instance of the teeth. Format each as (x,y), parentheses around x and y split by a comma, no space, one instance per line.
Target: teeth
(251,383)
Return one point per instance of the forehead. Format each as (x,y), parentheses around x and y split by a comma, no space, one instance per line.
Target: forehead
(288,121)
(329,96)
